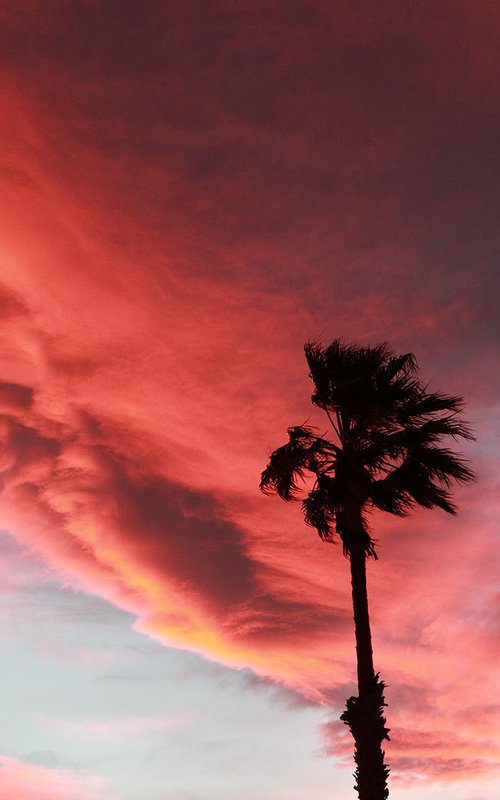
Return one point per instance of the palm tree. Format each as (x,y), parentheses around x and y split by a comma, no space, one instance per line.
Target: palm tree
(386,453)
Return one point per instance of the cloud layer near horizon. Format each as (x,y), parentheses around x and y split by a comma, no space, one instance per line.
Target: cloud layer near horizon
(177,221)
(24,781)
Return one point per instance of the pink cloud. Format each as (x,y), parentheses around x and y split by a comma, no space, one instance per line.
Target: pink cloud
(19,781)
(161,274)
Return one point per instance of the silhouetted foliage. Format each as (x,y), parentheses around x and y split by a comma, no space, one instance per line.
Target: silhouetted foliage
(387,453)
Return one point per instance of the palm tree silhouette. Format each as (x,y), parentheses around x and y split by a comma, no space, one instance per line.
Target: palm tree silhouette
(386,454)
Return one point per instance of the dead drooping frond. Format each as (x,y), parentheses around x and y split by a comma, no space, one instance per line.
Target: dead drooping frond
(320,506)
(305,451)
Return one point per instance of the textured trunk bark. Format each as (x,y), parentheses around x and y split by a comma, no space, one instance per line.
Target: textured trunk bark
(364,714)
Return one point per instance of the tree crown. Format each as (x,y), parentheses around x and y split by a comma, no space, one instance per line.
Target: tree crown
(388,452)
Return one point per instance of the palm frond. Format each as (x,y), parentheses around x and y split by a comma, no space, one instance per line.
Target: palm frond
(413,483)
(403,365)
(386,496)
(305,451)
(318,373)
(345,376)
(444,465)
(320,506)
(424,403)
(433,429)
(428,494)
(354,535)
(393,442)
(286,465)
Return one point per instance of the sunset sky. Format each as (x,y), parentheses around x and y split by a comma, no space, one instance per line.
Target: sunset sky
(191,189)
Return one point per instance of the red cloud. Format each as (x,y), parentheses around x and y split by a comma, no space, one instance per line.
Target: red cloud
(278,602)
(176,223)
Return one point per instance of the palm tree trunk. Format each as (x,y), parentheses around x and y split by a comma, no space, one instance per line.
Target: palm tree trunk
(364,650)
(364,714)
